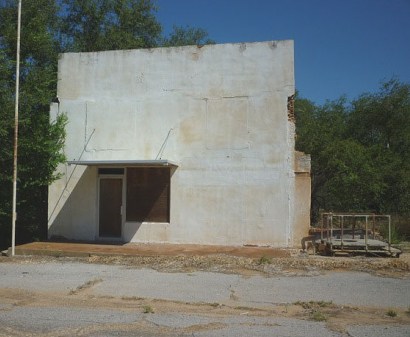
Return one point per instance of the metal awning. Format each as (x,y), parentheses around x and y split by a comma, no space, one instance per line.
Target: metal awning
(124,163)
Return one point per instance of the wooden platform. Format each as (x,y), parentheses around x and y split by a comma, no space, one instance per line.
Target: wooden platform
(370,246)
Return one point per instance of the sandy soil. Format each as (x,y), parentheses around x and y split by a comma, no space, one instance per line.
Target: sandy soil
(299,264)
(336,317)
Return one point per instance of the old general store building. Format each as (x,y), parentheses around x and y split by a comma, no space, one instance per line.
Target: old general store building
(181,145)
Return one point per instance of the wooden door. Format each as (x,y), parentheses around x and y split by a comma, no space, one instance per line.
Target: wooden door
(110,218)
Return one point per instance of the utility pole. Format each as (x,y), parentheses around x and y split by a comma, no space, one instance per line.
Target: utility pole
(16,130)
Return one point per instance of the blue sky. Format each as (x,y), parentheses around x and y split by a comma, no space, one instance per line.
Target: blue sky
(342,47)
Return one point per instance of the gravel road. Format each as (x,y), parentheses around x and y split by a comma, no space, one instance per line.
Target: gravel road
(66,298)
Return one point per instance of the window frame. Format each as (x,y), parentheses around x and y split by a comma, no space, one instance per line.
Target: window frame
(151,195)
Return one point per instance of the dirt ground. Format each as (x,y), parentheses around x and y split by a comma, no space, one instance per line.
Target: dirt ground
(236,260)
(336,317)
(300,264)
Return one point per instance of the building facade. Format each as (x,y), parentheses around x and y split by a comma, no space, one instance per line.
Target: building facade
(181,145)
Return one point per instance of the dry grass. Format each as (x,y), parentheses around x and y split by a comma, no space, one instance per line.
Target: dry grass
(147,309)
(85,286)
(266,265)
(391,313)
(298,265)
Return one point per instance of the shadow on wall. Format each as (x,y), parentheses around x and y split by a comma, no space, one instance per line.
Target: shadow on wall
(77,218)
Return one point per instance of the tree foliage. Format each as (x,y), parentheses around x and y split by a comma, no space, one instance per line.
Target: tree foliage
(96,25)
(48,28)
(40,141)
(360,151)
(187,36)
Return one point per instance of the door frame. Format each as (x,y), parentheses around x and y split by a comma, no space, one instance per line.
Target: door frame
(97,233)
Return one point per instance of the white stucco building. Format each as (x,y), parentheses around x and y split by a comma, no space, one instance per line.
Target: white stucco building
(181,145)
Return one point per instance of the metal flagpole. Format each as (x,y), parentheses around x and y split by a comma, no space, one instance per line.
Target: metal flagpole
(16,124)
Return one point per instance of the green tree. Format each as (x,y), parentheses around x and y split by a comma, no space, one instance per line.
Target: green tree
(96,25)
(187,36)
(6,147)
(39,141)
(381,122)
(317,128)
(360,151)
(353,181)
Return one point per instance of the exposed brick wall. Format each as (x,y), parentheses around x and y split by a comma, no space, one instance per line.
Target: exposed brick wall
(291,108)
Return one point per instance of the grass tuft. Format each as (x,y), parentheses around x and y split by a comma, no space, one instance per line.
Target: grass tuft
(147,309)
(313,304)
(391,313)
(85,286)
(318,316)
(264,260)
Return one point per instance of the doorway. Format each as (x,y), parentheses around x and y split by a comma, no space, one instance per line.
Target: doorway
(110,207)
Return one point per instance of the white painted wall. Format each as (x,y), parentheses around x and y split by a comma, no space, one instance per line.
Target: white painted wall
(222,110)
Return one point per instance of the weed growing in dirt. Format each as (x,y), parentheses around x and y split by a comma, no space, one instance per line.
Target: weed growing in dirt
(313,304)
(241,307)
(85,286)
(395,235)
(391,313)
(314,307)
(147,309)
(133,298)
(265,260)
(318,316)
